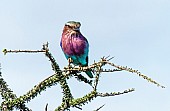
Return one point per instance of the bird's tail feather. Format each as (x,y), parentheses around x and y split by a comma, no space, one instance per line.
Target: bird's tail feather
(89,73)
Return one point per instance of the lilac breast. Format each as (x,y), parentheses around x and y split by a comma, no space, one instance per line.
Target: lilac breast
(74,44)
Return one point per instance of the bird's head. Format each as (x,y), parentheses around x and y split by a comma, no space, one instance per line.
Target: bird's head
(72,25)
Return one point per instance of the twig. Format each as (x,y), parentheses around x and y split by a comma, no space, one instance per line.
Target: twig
(20,51)
(99,107)
(110,70)
(79,77)
(46,107)
(115,93)
(136,72)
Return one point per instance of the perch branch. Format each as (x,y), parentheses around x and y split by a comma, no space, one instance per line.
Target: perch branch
(61,76)
(119,68)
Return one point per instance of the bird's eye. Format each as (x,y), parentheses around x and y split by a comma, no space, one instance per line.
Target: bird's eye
(68,26)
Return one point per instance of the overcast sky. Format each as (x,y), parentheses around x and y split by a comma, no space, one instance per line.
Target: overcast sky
(135,32)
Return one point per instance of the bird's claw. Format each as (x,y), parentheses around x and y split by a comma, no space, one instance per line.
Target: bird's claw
(80,68)
(70,61)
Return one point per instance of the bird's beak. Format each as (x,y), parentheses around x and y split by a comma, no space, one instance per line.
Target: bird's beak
(76,28)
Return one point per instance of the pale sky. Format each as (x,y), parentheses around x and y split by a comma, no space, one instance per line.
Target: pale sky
(135,32)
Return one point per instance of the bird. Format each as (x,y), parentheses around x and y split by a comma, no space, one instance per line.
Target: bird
(74,45)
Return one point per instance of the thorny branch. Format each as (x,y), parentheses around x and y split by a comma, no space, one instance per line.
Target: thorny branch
(119,68)
(5,51)
(115,93)
(61,77)
(7,94)
(66,90)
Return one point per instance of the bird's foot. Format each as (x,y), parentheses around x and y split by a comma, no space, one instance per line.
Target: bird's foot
(80,68)
(70,61)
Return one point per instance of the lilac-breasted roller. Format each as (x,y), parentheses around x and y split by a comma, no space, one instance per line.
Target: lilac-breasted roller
(75,45)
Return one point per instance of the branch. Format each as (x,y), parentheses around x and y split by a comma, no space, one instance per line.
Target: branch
(95,67)
(50,81)
(61,76)
(8,95)
(6,92)
(80,78)
(5,51)
(62,80)
(79,101)
(134,71)
(115,93)
(89,97)
(66,90)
